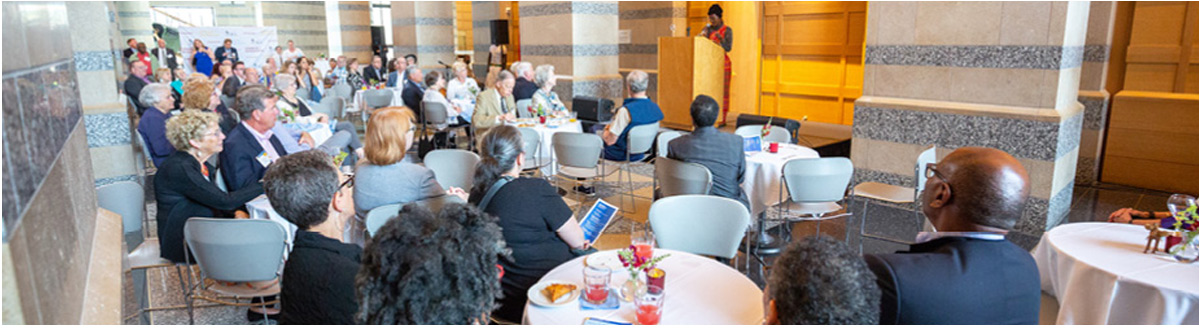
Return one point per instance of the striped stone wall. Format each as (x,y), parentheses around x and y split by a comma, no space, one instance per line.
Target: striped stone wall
(105,114)
(134,19)
(300,21)
(426,29)
(647,21)
(482,13)
(355,30)
(580,40)
(954,74)
(1091,92)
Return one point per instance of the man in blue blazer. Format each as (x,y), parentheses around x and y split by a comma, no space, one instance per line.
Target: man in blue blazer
(251,146)
(966,272)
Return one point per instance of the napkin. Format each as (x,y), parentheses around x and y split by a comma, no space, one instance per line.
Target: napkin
(612,303)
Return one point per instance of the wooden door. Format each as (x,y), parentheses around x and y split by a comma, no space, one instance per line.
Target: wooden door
(812,59)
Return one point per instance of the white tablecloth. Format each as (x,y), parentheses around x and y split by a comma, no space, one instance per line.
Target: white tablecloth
(764,174)
(1099,276)
(260,208)
(546,154)
(698,291)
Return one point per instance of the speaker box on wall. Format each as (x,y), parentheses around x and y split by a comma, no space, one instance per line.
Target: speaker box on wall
(499,31)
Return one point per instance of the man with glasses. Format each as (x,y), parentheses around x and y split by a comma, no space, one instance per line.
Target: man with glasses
(966,271)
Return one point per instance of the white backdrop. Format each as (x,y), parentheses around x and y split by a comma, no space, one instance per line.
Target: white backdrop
(253,44)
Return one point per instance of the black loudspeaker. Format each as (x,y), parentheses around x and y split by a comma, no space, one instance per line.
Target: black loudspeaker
(592,108)
(499,31)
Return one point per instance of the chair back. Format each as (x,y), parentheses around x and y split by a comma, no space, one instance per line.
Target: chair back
(236,250)
(641,138)
(378,98)
(342,89)
(228,101)
(303,93)
(378,216)
(453,167)
(927,156)
(578,149)
(434,112)
(817,179)
(531,145)
(699,224)
(777,133)
(125,198)
(331,105)
(682,178)
(522,108)
(664,139)
(141,142)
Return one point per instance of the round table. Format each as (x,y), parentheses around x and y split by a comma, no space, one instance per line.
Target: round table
(1099,276)
(764,174)
(545,155)
(698,291)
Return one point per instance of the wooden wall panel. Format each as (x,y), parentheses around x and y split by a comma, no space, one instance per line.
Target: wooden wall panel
(1152,139)
(464,38)
(812,59)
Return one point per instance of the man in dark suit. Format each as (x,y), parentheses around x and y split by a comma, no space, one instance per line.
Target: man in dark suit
(414,90)
(722,153)
(251,146)
(236,80)
(525,88)
(227,52)
(135,82)
(966,272)
(132,48)
(375,71)
(166,57)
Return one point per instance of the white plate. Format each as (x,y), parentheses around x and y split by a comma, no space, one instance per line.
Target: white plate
(536,297)
(609,260)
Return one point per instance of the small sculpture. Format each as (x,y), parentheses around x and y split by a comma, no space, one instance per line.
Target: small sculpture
(1155,237)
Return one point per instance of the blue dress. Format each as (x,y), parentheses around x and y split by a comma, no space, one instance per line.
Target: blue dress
(203,64)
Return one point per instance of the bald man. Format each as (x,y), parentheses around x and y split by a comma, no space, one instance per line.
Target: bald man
(966,272)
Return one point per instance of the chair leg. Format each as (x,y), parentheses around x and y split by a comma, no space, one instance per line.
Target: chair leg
(862,227)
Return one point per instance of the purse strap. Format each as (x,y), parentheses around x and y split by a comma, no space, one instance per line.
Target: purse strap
(491,191)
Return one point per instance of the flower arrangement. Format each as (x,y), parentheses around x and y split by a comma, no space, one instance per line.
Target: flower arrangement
(766,128)
(287,112)
(474,90)
(1186,221)
(636,264)
(341,157)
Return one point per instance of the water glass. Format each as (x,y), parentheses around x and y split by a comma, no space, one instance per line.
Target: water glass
(643,243)
(596,280)
(649,305)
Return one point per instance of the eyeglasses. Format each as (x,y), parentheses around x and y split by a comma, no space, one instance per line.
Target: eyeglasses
(348,183)
(930,171)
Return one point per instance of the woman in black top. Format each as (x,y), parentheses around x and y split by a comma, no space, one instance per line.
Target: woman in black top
(184,184)
(538,226)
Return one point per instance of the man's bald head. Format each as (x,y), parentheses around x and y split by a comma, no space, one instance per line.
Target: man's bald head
(986,187)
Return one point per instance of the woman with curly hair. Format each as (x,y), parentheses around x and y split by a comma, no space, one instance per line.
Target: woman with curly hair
(422,269)
(199,94)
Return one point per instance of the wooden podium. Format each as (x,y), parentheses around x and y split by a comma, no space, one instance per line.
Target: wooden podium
(688,67)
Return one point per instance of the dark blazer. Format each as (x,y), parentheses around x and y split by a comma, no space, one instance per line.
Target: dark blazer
(231,86)
(239,165)
(412,95)
(723,155)
(320,281)
(524,89)
(170,62)
(370,73)
(133,88)
(128,52)
(182,192)
(221,54)
(958,281)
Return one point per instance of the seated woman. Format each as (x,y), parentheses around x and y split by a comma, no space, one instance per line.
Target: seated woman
(354,76)
(462,91)
(164,75)
(384,178)
(309,192)
(185,184)
(159,102)
(292,132)
(453,113)
(538,226)
(544,96)
(426,269)
(199,94)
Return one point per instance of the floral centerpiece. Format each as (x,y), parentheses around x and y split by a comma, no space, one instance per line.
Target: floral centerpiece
(636,265)
(474,91)
(1187,222)
(287,112)
(766,128)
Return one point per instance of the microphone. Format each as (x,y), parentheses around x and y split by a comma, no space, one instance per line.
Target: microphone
(443,64)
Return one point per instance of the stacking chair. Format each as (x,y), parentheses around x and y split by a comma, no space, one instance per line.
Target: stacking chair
(231,255)
(435,114)
(895,194)
(640,141)
(579,159)
(303,93)
(681,178)
(531,144)
(330,105)
(128,199)
(149,161)
(378,216)
(453,167)
(664,139)
(700,224)
(777,133)
(816,186)
(376,99)
(343,91)
(522,108)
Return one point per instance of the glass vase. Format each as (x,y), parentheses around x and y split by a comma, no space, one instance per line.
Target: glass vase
(1188,250)
(630,288)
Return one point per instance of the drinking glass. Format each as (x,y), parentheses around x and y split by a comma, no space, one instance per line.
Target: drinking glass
(649,305)
(596,280)
(643,243)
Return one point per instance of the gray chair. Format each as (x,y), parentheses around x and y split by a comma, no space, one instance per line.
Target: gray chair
(640,141)
(453,167)
(376,99)
(777,133)
(435,115)
(331,105)
(664,139)
(681,178)
(128,199)
(817,187)
(232,254)
(303,93)
(531,144)
(522,108)
(379,216)
(149,161)
(699,224)
(343,91)
(578,156)
(895,194)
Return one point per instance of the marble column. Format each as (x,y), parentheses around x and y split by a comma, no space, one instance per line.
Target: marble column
(356,30)
(954,74)
(299,21)
(646,21)
(425,29)
(1091,91)
(580,40)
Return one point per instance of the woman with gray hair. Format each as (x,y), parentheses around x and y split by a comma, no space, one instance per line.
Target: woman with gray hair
(545,98)
(159,102)
(296,118)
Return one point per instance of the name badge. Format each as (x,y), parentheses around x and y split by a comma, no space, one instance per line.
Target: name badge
(263,159)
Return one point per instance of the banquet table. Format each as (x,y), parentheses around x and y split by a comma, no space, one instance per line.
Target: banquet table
(547,131)
(698,291)
(1099,276)
(764,174)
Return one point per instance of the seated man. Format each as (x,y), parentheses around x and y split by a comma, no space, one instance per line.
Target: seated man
(966,272)
(494,104)
(414,90)
(524,88)
(251,146)
(637,110)
(821,281)
(307,191)
(722,153)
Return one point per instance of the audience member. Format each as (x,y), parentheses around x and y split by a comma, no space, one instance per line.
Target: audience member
(397,72)
(435,82)
(426,269)
(722,153)
(184,187)
(495,103)
(166,56)
(375,73)
(292,53)
(137,79)
(307,190)
(353,76)
(202,58)
(545,97)
(414,88)
(159,102)
(269,70)
(252,76)
(309,79)
(128,52)
(537,224)
(235,80)
(145,57)
(201,95)
(339,70)
(525,88)
(966,272)
(297,120)
(277,56)
(410,59)
(221,74)
(638,109)
(163,75)
(227,52)
(251,146)
(462,91)
(821,281)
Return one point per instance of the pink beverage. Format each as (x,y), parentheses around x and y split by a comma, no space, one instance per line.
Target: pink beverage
(645,251)
(596,279)
(648,314)
(649,305)
(597,294)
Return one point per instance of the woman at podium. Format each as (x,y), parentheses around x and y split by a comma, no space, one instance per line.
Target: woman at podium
(722,35)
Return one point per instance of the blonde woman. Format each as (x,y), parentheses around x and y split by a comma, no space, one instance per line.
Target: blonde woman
(462,90)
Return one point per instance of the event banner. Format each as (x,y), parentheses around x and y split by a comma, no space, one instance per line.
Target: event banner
(253,44)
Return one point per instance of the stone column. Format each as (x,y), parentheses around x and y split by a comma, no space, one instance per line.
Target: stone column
(646,21)
(97,65)
(426,29)
(580,40)
(299,21)
(134,19)
(953,74)
(482,13)
(1091,91)
(356,30)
